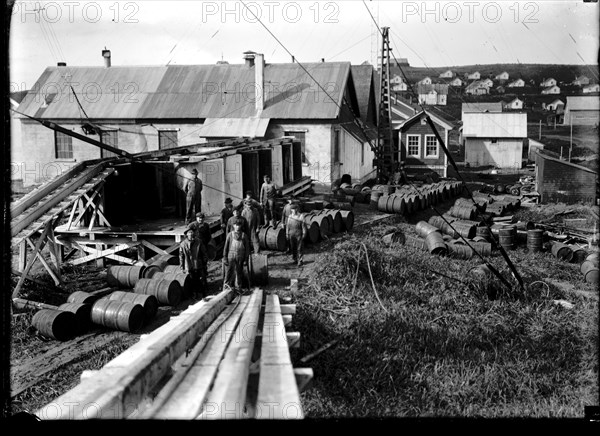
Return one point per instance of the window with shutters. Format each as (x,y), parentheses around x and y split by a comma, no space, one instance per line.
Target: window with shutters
(167,139)
(63,146)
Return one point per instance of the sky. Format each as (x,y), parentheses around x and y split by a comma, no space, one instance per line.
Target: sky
(427,33)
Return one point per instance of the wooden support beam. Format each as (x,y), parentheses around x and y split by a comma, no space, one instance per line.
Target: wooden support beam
(169,250)
(287,320)
(100,261)
(38,246)
(84,207)
(53,248)
(22,255)
(32,279)
(110,253)
(288,309)
(154,248)
(72,214)
(54,274)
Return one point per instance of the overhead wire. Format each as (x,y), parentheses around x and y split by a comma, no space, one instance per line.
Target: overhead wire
(511,266)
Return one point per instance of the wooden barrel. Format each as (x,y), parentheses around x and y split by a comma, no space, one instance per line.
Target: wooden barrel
(272,238)
(507,237)
(164,260)
(341,205)
(435,243)
(414,242)
(124,276)
(211,250)
(148,302)
(593,256)
(374,200)
(461,251)
(82,314)
(382,203)
(465,229)
(184,279)
(150,270)
(525,225)
(55,324)
(398,205)
(259,273)
(464,212)
(482,247)
(347,219)
(483,232)
(118,315)
(423,228)
(589,270)
(167,291)
(81,297)
(579,254)
(329,219)
(314,232)
(562,251)
(394,237)
(535,240)
(337,221)
(172,269)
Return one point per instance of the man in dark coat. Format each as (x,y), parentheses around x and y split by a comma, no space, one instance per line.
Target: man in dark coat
(295,232)
(193,259)
(252,216)
(235,255)
(268,192)
(193,196)
(226,213)
(237,218)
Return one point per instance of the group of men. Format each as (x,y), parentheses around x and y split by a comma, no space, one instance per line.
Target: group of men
(241,225)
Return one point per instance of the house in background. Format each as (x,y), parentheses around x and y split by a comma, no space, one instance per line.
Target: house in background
(19,173)
(488,82)
(419,148)
(397,84)
(548,82)
(494,138)
(581,81)
(456,82)
(179,105)
(435,94)
(477,88)
(424,81)
(473,76)
(482,107)
(561,181)
(502,76)
(594,87)
(519,83)
(554,105)
(448,74)
(554,89)
(582,110)
(515,103)
(500,89)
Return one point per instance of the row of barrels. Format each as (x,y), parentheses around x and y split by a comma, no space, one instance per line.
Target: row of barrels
(320,223)
(405,200)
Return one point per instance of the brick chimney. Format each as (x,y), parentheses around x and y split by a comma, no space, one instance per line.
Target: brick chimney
(106,56)
(259,80)
(249,58)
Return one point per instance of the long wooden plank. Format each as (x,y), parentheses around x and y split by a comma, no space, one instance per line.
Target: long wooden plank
(192,390)
(97,254)
(122,383)
(228,396)
(153,247)
(28,218)
(29,200)
(278,395)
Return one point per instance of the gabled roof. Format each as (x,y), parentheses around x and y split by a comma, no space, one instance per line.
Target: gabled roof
(481,107)
(476,84)
(545,156)
(190,92)
(513,100)
(583,103)
(402,110)
(550,87)
(435,117)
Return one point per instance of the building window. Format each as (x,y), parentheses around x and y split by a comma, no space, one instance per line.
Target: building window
(431,146)
(336,145)
(109,137)
(362,154)
(167,139)
(494,141)
(300,136)
(63,146)
(413,145)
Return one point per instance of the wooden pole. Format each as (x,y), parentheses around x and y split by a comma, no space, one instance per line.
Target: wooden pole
(571,136)
(540,134)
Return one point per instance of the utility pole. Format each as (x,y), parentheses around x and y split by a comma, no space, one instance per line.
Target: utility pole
(540,134)
(386,153)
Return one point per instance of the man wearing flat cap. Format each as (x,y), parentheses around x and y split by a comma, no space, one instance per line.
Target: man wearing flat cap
(193,196)
(253,218)
(226,213)
(193,259)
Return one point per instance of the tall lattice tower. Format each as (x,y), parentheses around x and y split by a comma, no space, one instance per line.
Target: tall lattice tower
(387,154)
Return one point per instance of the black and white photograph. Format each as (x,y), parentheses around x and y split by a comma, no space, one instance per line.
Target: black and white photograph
(301,211)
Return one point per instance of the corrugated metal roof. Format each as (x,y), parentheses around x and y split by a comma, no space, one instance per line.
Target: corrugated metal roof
(190,92)
(234,127)
(579,103)
(495,125)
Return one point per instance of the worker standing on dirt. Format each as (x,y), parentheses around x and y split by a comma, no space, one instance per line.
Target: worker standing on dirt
(193,196)
(252,216)
(399,176)
(235,255)
(295,232)
(268,192)
(285,213)
(226,213)
(237,218)
(249,196)
(193,259)
(202,229)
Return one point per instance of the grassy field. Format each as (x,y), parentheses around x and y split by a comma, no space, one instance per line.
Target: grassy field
(424,339)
